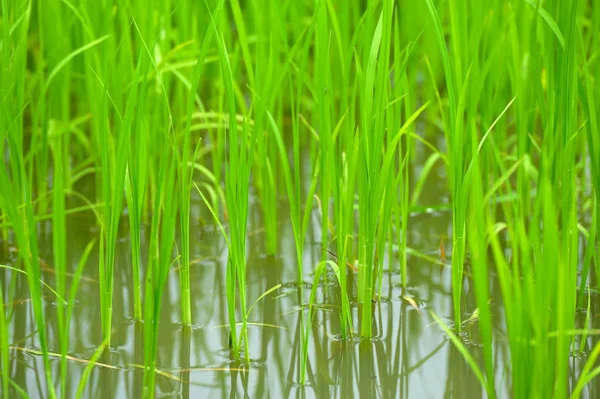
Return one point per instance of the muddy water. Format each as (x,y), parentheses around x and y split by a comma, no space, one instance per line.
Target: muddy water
(409,357)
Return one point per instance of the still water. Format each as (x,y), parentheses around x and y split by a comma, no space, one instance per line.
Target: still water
(409,357)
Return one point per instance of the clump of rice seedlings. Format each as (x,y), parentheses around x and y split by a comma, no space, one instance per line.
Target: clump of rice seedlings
(455,142)
(261,67)
(372,176)
(344,192)
(590,109)
(322,81)
(161,258)
(13,193)
(16,181)
(300,210)
(59,239)
(237,176)
(344,179)
(401,179)
(114,169)
(377,153)
(185,168)
(539,279)
(135,193)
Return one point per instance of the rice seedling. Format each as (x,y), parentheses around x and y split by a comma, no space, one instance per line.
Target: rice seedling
(135,190)
(455,142)
(185,169)
(114,167)
(236,193)
(260,67)
(161,251)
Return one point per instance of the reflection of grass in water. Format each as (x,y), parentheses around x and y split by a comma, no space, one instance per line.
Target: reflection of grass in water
(341,109)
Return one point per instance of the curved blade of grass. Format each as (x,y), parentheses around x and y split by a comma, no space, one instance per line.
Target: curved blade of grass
(90,367)
(69,57)
(264,294)
(425,171)
(548,19)
(49,287)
